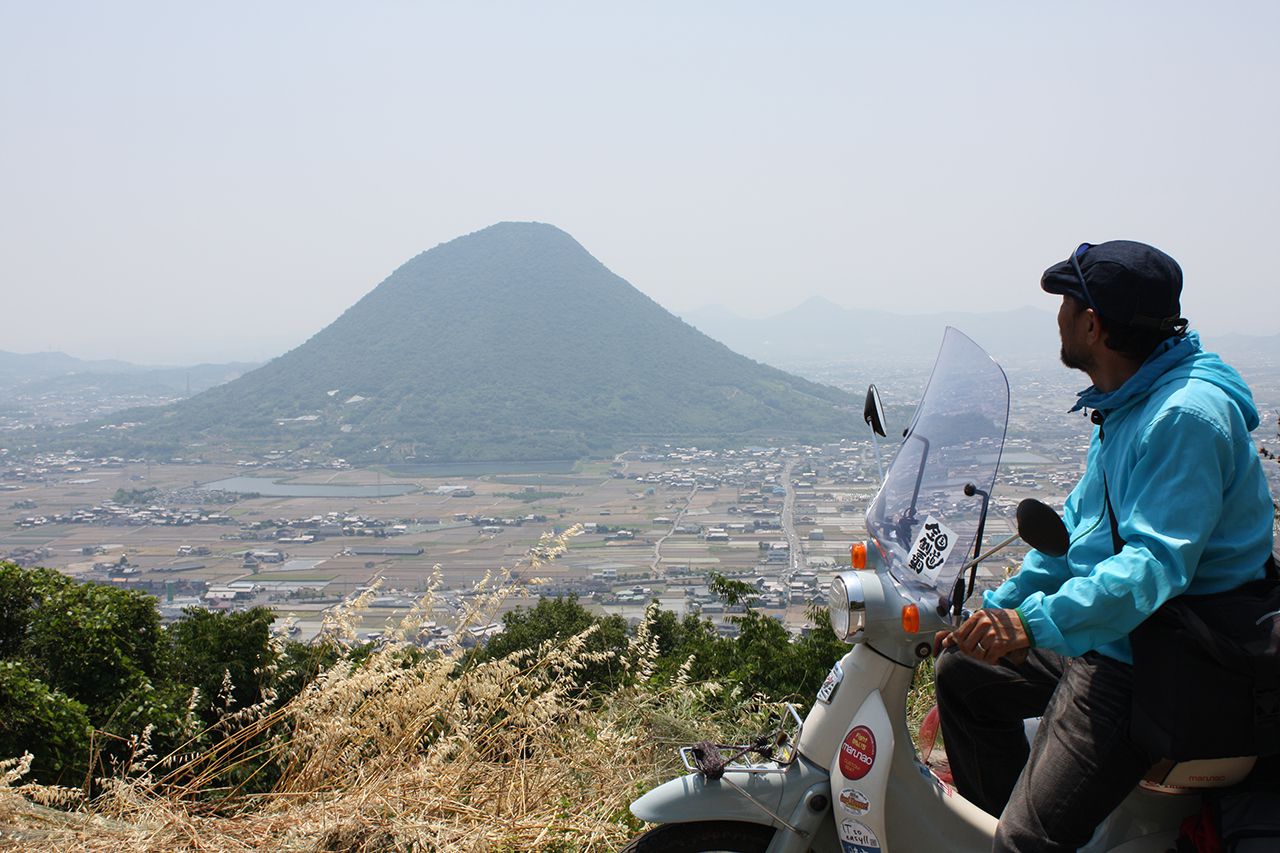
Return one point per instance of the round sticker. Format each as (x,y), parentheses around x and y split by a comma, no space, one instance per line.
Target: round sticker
(854,801)
(857,753)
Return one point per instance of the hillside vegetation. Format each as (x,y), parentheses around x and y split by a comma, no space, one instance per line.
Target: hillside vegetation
(537,741)
(509,343)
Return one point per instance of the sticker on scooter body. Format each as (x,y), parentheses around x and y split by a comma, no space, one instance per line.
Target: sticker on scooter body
(830,683)
(930,550)
(854,801)
(857,753)
(857,837)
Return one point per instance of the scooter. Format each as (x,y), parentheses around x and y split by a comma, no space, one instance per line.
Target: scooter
(847,778)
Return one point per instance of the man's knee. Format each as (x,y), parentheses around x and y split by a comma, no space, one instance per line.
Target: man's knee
(990,693)
(953,672)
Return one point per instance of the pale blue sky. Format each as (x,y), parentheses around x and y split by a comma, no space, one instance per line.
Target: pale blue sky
(184,182)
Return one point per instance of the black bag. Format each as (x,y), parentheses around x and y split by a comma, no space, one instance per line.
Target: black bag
(1207,674)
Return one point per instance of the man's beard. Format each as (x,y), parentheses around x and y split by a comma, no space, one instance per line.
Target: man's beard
(1074,360)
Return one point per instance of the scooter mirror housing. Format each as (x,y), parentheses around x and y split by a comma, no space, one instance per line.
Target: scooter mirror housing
(873,411)
(1041,528)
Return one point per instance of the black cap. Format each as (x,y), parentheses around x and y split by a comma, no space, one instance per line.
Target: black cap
(1127,283)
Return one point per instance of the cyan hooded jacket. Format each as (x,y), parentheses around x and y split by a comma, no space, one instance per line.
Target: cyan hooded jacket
(1190,499)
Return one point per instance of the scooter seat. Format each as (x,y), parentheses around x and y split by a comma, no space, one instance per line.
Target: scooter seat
(1184,777)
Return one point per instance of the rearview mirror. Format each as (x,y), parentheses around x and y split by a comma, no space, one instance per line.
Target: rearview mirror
(873,411)
(1041,528)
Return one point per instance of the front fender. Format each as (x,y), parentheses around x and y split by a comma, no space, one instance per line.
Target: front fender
(694,797)
(799,796)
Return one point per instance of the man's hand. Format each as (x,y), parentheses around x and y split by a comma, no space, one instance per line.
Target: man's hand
(989,635)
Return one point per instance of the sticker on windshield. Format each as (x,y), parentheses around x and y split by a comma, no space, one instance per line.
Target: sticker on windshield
(930,550)
(857,837)
(830,683)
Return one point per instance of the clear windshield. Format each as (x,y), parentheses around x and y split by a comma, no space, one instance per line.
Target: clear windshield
(921,520)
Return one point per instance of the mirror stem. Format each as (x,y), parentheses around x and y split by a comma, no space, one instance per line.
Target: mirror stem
(998,547)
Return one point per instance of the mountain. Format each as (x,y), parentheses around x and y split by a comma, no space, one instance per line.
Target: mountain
(509,343)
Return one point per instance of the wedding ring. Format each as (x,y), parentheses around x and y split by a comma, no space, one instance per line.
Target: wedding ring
(981,647)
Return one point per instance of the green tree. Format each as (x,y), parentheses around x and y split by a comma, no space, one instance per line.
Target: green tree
(763,657)
(52,726)
(17,597)
(97,644)
(560,619)
(731,592)
(75,657)
(680,639)
(79,656)
(206,644)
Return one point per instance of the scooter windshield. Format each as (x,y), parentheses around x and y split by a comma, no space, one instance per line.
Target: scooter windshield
(921,521)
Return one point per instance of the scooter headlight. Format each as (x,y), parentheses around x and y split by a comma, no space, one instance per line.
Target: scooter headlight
(847,606)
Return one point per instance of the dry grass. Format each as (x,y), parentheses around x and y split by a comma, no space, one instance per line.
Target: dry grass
(397,754)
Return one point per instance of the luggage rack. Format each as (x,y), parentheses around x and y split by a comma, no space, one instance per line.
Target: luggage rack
(778,751)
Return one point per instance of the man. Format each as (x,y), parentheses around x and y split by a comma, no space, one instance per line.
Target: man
(1173,500)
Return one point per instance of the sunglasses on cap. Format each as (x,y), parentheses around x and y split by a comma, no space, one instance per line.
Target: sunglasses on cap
(1084,285)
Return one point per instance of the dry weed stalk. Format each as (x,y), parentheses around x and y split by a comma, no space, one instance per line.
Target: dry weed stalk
(405,750)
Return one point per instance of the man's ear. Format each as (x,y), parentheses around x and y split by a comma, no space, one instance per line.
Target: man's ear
(1094,325)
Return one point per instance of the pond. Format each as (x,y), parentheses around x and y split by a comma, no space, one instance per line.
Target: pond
(274,489)
(480,469)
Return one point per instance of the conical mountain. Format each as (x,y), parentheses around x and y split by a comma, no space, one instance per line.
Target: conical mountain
(509,343)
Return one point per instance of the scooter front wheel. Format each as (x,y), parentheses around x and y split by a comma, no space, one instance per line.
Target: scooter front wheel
(703,836)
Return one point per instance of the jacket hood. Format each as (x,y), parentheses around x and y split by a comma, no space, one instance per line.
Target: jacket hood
(1177,359)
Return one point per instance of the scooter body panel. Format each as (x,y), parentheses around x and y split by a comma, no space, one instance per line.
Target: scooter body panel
(1145,821)
(865,671)
(860,772)
(884,799)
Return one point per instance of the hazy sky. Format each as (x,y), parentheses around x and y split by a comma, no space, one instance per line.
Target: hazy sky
(190,182)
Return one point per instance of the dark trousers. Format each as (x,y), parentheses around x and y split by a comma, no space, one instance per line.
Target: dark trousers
(1051,795)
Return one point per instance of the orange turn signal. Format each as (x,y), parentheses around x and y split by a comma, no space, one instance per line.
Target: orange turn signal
(858,555)
(911,619)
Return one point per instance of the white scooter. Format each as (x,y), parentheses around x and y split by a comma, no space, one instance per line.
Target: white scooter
(847,778)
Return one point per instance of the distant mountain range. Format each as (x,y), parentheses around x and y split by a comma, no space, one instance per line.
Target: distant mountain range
(509,343)
(20,368)
(818,331)
(30,374)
